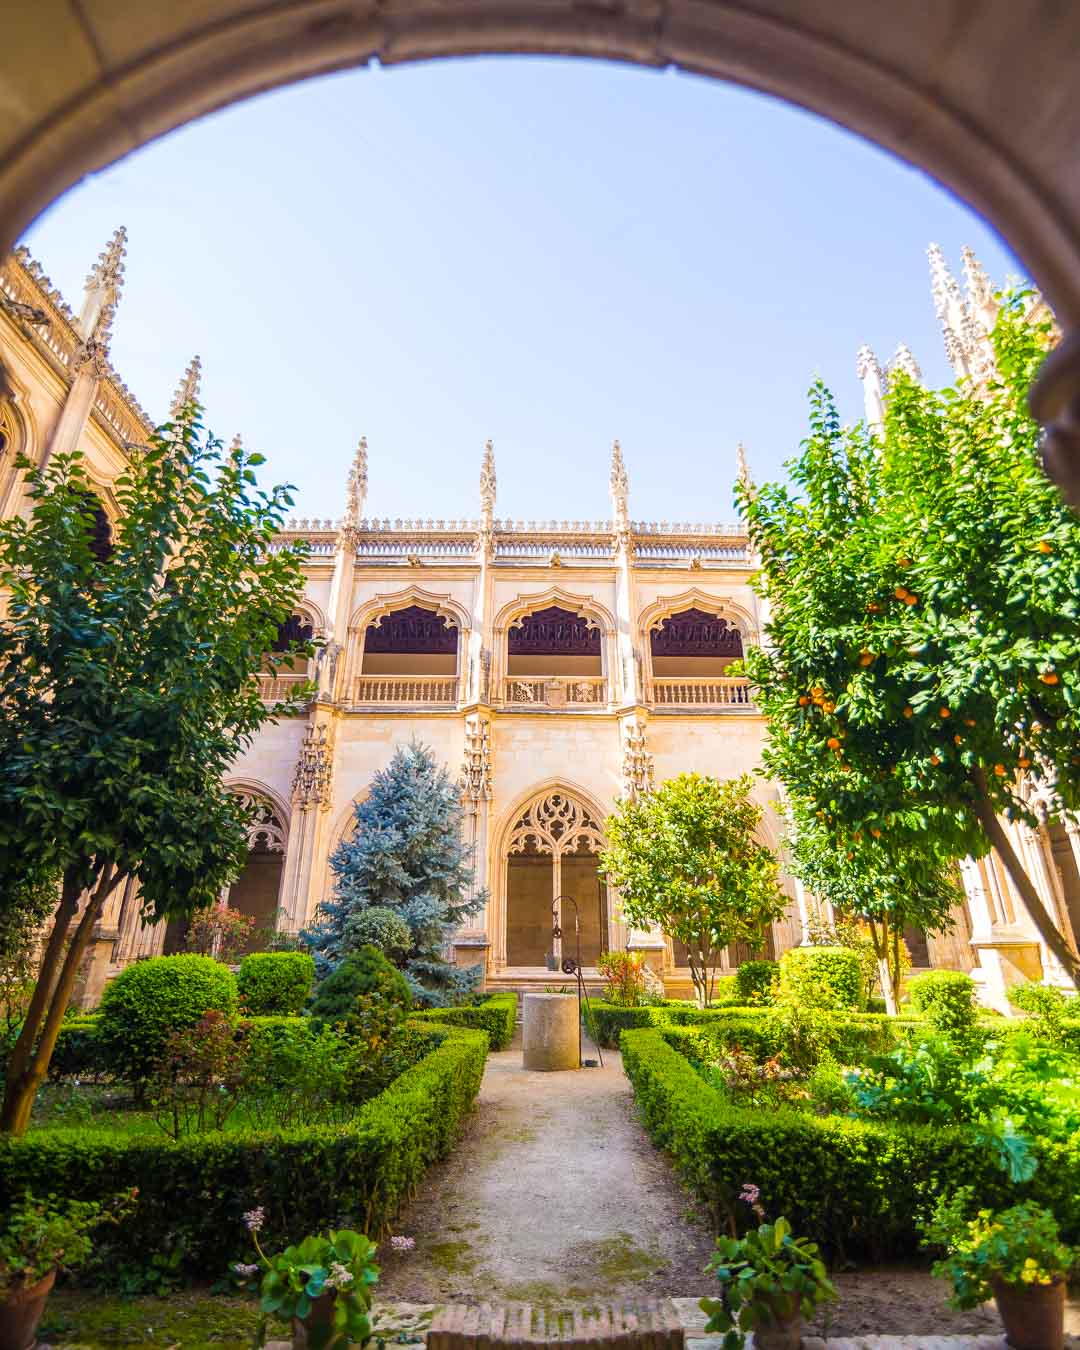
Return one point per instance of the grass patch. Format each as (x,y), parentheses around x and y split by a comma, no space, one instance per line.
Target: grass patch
(456,1258)
(192,1319)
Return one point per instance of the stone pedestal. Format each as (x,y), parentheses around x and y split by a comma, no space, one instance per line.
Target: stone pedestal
(551,1032)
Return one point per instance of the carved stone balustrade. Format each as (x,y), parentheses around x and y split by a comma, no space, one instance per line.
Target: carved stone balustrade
(555,691)
(701,692)
(276,688)
(405,689)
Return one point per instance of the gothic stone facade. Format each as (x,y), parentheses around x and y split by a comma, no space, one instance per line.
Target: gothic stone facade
(554,666)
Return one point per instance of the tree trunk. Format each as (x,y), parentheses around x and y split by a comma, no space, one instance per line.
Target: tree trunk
(995,832)
(30,1060)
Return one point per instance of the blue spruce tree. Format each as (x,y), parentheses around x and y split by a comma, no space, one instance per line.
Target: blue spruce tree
(405,868)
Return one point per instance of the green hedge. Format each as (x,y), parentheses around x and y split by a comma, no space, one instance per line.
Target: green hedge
(497,1015)
(827,977)
(149,1000)
(754,980)
(193,1194)
(275,983)
(855,1186)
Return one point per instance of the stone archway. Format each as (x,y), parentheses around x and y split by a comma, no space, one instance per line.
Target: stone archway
(551,852)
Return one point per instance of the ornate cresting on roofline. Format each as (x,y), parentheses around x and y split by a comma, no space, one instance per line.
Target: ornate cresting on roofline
(526,541)
(29,296)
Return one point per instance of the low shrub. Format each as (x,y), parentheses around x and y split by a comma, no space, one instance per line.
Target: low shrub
(946,998)
(275,983)
(1047,1010)
(193,1192)
(496,1014)
(624,977)
(80,1052)
(823,977)
(754,981)
(856,1186)
(149,1000)
(365,972)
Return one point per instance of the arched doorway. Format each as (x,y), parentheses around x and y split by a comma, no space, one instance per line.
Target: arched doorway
(256,891)
(552,852)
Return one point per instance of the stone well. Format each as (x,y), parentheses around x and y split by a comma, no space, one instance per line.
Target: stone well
(551,1032)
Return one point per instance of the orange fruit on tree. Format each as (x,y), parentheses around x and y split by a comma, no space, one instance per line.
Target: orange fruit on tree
(1024,763)
(1044,546)
(828,707)
(944,712)
(866,658)
(875,832)
(900,592)
(803,701)
(910,599)
(935,759)
(873,607)
(958,739)
(833,743)
(909,711)
(1049,677)
(969,721)
(999,769)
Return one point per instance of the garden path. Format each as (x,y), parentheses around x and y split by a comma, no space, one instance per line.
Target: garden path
(555,1193)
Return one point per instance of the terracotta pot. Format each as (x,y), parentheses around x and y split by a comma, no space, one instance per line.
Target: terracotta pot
(20,1313)
(784,1332)
(1033,1314)
(314,1330)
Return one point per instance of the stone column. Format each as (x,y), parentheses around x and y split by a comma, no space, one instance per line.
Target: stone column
(473,942)
(311,797)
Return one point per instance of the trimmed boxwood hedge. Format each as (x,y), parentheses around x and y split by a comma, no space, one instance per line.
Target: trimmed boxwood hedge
(855,1186)
(830,977)
(275,983)
(497,1015)
(193,1193)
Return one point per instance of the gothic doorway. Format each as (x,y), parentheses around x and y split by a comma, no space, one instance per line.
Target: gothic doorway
(551,853)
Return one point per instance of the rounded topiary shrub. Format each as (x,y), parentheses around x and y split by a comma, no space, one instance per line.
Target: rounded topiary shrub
(275,983)
(754,981)
(149,1000)
(946,998)
(364,972)
(378,926)
(823,977)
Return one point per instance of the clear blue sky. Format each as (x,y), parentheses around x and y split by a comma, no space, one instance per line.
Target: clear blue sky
(550,253)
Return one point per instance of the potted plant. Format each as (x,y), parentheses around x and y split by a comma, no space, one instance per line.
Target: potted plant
(323,1286)
(769,1281)
(37,1239)
(1016,1255)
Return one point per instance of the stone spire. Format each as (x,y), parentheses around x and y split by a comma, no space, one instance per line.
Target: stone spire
(904,361)
(236,444)
(187,391)
(356,486)
(742,468)
(488,484)
(103,286)
(965,337)
(982,306)
(619,484)
(868,369)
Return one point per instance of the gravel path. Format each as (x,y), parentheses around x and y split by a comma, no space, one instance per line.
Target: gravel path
(554,1194)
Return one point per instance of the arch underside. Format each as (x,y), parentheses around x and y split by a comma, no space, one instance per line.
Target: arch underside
(979,96)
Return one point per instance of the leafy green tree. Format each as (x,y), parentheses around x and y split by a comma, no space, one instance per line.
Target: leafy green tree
(685,860)
(126,692)
(922,665)
(884,889)
(405,858)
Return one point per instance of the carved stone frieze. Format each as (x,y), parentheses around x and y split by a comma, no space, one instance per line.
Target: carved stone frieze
(314,775)
(637,761)
(476,780)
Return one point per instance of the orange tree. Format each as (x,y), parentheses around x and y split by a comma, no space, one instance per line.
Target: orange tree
(685,860)
(883,888)
(126,691)
(922,665)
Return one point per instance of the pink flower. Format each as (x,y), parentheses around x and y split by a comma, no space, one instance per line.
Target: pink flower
(402,1244)
(245,1272)
(750,1193)
(253,1219)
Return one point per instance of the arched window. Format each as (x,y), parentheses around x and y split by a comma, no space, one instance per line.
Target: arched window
(278,681)
(100,528)
(689,656)
(554,658)
(410,656)
(551,855)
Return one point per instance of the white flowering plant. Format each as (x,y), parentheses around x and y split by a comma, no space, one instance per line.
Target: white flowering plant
(326,1282)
